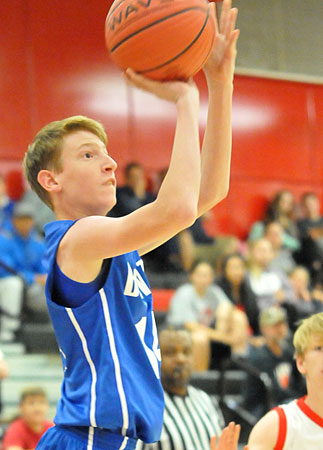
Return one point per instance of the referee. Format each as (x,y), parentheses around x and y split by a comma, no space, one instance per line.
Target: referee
(191,417)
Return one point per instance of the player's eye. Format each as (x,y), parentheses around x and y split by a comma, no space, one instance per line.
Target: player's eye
(319,348)
(88,155)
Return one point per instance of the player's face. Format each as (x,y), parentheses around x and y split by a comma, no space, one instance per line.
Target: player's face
(311,363)
(87,181)
(177,358)
(34,409)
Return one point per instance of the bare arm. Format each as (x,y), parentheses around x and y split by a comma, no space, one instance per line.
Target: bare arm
(216,149)
(265,433)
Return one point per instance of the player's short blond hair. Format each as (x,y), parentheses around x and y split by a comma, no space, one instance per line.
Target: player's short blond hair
(45,150)
(312,326)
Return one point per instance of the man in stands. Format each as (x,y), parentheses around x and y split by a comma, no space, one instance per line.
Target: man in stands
(25,432)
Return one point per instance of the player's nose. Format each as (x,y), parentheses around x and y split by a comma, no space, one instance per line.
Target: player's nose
(109,164)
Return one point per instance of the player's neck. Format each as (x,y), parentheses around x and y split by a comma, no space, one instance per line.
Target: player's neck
(314,400)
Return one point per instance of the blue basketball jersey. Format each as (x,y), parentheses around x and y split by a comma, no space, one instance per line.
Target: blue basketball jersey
(109,349)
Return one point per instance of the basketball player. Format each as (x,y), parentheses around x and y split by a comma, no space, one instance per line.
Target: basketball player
(98,296)
(298,425)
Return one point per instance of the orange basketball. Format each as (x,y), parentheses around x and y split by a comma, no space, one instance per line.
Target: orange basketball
(161,39)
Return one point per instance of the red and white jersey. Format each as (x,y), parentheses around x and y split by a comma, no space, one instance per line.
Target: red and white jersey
(300,428)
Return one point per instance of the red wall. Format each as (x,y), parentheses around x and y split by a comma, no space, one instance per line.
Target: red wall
(53,64)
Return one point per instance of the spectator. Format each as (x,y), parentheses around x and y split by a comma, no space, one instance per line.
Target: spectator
(270,287)
(25,432)
(191,416)
(11,291)
(204,309)
(311,233)
(282,260)
(42,214)
(133,194)
(6,205)
(304,302)
(299,424)
(25,251)
(275,359)
(4,372)
(235,285)
(281,209)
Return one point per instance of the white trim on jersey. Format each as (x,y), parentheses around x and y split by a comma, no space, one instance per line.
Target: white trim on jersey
(124,443)
(90,439)
(117,371)
(90,362)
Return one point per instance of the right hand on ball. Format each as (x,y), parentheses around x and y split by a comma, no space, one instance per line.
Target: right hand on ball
(172,91)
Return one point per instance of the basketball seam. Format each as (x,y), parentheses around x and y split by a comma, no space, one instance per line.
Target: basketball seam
(163,19)
(180,53)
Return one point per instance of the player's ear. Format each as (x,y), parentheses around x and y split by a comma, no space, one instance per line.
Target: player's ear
(48,181)
(300,364)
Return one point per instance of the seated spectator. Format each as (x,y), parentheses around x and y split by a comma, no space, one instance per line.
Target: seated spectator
(191,416)
(133,194)
(283,260)
(6,205)
(235,285)
(275,359)
(42,214)
(25,432)
(24,252)
(270,287)
(304,302)
(311,234)
(204,309)
(281,209)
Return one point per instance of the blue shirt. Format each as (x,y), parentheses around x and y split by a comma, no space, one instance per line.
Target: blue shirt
(23,254)
(109,349)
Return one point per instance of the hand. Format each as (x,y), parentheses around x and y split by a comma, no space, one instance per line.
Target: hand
(228,439)
(172,91)
(221,63)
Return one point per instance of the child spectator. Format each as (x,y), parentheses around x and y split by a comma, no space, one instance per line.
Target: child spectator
(25,432)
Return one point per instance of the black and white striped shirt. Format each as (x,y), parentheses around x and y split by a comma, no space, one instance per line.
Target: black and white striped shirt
(189,422)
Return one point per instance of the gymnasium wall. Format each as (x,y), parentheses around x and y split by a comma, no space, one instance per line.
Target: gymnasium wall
(53,64)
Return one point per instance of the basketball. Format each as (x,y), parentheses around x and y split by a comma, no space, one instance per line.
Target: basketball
(161,39)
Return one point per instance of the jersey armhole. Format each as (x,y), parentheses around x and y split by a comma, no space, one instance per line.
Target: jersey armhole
(282,428)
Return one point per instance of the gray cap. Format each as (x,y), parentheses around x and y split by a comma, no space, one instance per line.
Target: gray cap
(272,316)
(23,210)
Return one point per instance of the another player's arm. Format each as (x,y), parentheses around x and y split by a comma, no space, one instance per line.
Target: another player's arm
(216,149)
(228,439)
(264,434)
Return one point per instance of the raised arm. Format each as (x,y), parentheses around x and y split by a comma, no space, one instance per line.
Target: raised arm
(216,149)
